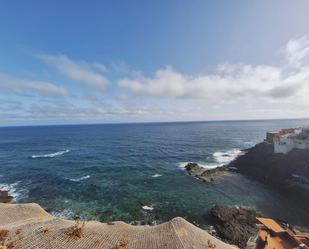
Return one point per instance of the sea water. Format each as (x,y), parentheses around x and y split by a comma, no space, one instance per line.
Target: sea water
(111,171)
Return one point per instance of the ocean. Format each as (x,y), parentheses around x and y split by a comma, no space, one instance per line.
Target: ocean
(110,171)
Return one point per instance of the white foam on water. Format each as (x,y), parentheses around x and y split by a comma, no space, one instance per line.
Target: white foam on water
(147,208)
(220,158)
(225,157)
(79,179)
(14,191)
(156,175)
(63,214)
(182,165)
(59,153)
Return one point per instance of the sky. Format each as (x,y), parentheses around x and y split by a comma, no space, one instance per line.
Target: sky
(76,62)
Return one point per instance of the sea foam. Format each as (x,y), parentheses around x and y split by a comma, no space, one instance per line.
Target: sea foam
(80,178)
(220,158)
(16,192)
(59,153)
(63,214)
(225,157)
(156,175)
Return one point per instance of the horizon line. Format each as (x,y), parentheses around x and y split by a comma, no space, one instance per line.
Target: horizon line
(154,122)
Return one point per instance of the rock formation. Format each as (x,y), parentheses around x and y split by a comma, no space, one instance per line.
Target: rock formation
(206,175)
(287,172)
(234,224)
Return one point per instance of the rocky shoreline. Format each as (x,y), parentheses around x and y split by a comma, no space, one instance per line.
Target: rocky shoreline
(287,173)
(234,225)
(208,175)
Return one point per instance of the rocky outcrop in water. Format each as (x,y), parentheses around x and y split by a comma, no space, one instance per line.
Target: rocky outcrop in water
(206,175)
(234,224)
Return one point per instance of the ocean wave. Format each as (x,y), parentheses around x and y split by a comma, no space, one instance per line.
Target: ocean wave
(225,157)
(147,208)
(59,153)
(156,175)
(80,178)
(63,214)
(220,158)
(14,190)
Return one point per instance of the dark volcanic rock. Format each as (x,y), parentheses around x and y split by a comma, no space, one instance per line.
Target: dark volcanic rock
(192,166)
(5,197)
(206,175)
(233,224)
(276,170)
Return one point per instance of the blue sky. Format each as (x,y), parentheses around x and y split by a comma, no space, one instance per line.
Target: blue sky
(134,61)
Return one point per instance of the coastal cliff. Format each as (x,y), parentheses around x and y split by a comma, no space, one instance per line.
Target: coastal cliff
(234,225)
(284,172)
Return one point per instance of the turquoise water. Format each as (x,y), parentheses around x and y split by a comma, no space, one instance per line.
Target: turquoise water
(108,172)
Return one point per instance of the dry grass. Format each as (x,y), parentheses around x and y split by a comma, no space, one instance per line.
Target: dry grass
(76,231)
(123,243)
(10,245)
(45,230)
(3,235)
(210,244)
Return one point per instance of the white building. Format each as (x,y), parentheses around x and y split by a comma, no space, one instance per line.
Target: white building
(288,139)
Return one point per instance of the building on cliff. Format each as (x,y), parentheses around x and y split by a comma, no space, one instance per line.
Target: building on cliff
(272,235)
(286,140)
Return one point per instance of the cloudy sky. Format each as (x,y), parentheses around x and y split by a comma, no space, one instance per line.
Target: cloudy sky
(64,62)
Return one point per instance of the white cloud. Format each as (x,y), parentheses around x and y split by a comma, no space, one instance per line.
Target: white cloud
(231,81)
(19,86)
(297,51)
(54,111)
(232,91)
(240,83)
(81,71)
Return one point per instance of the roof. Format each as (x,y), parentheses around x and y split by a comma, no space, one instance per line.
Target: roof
(29,226)
(277,242)
(304,238)
(271,224)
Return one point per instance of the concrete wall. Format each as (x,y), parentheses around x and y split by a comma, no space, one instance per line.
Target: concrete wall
(283,145)
(270,137)
(300,144)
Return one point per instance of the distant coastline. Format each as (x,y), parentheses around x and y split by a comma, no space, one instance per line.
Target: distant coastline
(156,122)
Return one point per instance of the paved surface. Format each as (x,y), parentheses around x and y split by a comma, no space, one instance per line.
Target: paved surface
(29,226)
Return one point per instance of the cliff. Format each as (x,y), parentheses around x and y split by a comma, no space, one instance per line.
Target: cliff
(285,172)
(234,224)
